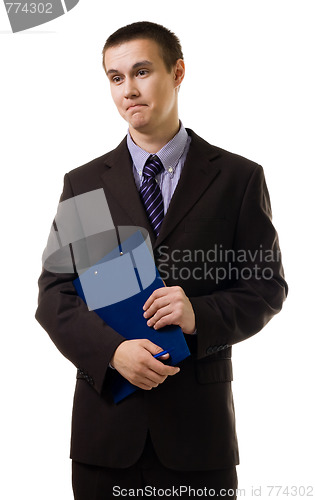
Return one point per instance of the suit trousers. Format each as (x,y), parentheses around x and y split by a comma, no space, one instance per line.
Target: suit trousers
(149,478)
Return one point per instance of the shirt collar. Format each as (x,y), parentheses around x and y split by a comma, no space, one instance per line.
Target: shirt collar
(169,154)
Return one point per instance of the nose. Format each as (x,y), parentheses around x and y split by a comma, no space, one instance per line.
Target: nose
(130,88)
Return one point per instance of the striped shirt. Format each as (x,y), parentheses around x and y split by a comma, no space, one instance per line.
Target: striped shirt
(172,156)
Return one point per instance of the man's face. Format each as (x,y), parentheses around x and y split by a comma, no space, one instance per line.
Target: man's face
(144,92)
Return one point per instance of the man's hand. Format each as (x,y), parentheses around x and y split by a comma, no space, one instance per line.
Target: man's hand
(134,360)
(170,306)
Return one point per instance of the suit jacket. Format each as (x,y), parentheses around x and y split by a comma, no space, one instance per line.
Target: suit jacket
(221,203)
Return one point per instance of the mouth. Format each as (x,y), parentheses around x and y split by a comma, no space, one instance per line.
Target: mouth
(135,106)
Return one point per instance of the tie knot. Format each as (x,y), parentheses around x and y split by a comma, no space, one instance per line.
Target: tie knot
(152,166)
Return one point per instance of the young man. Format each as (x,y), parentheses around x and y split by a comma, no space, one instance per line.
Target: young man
(209,221)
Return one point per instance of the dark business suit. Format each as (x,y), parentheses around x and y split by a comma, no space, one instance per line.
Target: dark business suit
(221,202)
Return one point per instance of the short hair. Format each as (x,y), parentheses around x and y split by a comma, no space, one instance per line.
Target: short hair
(167,41)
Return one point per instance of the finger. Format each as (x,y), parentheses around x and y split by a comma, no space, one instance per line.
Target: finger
(163,370)
(163,356)
(156,305)
(150,379)
(166,320)
(154,379)
(151,347)
(164,311)
(173,370)
(149,302)
(155,295)
(145,386)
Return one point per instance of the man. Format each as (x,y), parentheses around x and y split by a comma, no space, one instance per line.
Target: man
(218,253)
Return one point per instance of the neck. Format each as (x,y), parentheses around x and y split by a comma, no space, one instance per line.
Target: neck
(153,142)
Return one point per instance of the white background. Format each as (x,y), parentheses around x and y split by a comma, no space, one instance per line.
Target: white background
(249,88)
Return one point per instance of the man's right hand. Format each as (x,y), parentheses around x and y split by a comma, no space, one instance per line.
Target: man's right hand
(134,360)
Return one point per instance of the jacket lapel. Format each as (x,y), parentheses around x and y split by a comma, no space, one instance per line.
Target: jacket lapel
(198,173)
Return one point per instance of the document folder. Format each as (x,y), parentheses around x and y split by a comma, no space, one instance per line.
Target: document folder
(116,288)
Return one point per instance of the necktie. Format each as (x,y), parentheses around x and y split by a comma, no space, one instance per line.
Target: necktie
(151,194)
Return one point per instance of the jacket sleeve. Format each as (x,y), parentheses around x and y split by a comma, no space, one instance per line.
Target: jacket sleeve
(257,289)
(79,334)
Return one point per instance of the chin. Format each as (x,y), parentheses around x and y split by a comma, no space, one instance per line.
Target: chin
(139,125)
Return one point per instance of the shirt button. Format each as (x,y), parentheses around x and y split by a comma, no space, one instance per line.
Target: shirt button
(170,170)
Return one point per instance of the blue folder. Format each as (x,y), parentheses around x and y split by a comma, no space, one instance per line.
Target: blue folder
(116,288)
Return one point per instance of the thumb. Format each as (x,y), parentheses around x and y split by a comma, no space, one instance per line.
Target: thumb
(155,349)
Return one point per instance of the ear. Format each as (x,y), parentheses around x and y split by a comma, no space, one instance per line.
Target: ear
(179,72)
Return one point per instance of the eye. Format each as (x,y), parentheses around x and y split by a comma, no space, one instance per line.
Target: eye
(142,72)
(116,79)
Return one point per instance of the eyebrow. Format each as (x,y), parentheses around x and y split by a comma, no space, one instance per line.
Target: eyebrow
(135,66)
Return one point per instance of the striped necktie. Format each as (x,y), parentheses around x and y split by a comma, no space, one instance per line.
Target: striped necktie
(151,194)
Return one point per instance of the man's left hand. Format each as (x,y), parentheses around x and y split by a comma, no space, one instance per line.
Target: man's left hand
(170,306)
